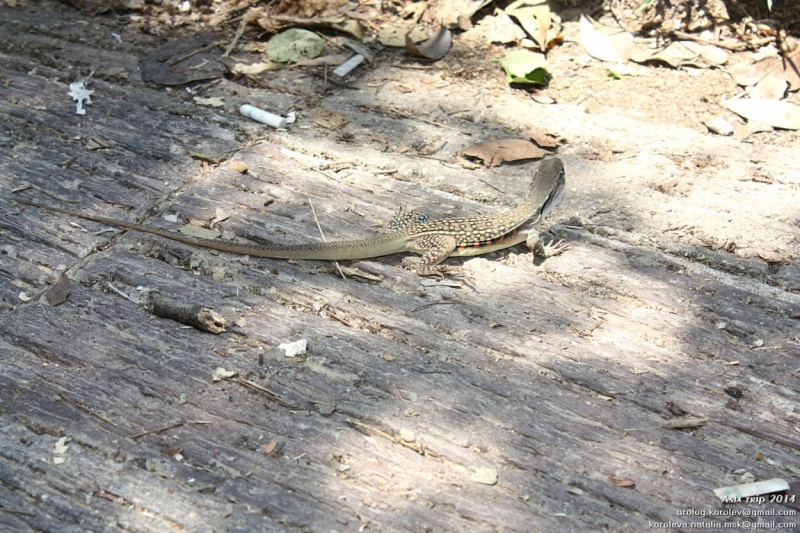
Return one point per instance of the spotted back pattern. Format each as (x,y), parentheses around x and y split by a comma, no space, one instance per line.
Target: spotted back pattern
(486,230)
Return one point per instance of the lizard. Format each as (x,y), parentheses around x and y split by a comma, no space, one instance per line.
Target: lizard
(434,240)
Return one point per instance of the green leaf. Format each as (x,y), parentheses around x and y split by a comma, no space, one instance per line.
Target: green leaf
(293,44)
(523,66)
(615,75)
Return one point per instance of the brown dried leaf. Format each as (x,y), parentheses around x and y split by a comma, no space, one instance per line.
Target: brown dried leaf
(621,482)
(269,448)
(772,257)
(173,451)
(59,291)
(434,48)
(787,68)
(494,153)
(328,118)
(542,139)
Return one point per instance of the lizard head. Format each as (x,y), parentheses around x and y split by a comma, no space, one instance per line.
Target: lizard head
(548,184)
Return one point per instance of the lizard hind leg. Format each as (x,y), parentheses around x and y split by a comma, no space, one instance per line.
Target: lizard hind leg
(434,249)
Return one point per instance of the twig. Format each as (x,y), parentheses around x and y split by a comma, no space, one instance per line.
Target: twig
(177,60)
(159,430)
(421,307)
(245,21)
(81,406)
(120,293)
(14,511)
(416,447)
(490,185)
(313,212)
(445,126)
(266,392)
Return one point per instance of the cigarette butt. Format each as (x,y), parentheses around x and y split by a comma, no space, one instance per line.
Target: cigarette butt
(265,117)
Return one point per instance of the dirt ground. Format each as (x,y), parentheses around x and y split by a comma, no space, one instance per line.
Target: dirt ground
(511,397)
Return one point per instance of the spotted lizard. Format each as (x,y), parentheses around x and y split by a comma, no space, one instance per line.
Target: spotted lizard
(434,240)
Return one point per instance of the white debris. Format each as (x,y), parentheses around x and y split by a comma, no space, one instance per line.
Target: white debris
(81,95)
(293,349)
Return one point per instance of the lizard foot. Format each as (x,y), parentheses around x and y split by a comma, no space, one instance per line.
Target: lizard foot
(551,249)
(414,263)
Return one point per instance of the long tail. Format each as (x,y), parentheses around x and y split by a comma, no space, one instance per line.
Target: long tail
(376,246)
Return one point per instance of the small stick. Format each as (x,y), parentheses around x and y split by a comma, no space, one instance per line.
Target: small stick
(313,212)
(143,433)
(81,406)
(177,60)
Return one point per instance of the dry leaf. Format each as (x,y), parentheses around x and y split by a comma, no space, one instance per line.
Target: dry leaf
(184,61)
(209,102)
(220,373)
(606,44)
(787,68)
(414,9)
(772,257)
(621,482)
(448,12)
(269,448)
(434,48)
(59,291)
(542,139)
(328,118)
(172,452)
(772,87)
(238,166)
(501,29)
(772,112)
(534,16)
(255,68)
(687,53)
(720,126)
(542,98)
(493,153)
(397,34)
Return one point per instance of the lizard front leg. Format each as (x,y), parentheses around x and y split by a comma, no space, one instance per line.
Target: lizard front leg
(403,219)
(434,249)
(536,244)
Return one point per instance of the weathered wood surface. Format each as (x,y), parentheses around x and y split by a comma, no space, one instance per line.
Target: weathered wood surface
(557,376)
